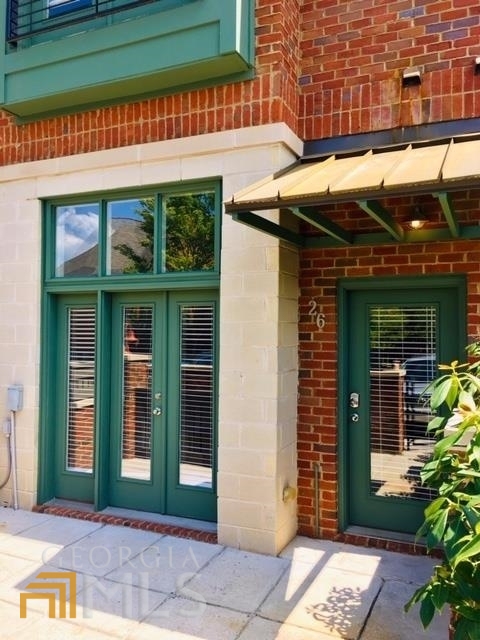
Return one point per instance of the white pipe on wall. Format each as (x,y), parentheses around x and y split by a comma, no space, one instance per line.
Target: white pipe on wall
(14,460)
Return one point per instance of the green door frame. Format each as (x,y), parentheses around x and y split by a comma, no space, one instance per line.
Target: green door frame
(176,499)
(181,499)
(344,288)
(100,288)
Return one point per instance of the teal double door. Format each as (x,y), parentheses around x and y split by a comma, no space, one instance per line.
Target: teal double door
(135,408)
(395,333)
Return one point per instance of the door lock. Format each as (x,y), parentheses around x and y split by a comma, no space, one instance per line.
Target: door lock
(354,400)
(157,411)
(355,417)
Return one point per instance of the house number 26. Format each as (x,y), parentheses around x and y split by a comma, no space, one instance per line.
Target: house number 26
(314,312)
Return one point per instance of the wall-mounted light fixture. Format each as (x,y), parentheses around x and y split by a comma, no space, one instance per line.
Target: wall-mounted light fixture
(411,77)
(477,66)
(418,219)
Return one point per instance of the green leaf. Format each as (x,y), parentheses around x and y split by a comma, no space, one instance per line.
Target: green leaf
(435,506)
(474,501)
(443,388)
(472,548)
(420,594)
(436,424)
(472,516)
(466,629)
(474,380)
(444,444)
(435,535)
(440,596)
(466,401)
(427,611)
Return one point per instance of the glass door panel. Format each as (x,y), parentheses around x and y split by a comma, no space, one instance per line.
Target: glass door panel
(196,395)
(80,390)
(136,449)
(403,348)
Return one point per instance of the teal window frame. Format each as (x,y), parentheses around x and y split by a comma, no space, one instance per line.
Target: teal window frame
(96,290)
(159,275)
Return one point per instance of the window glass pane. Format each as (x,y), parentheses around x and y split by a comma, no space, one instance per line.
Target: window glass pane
(81,386)
(196,395)
(59,7)
(403,345)
(190,232)
(76,238)
(130,236)
(137,393)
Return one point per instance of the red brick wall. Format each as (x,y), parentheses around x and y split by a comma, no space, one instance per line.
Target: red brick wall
(318,356)
(271,97)
(353,54)
(325,67)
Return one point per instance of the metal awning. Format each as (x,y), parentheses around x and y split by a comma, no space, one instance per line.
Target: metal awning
(307,188)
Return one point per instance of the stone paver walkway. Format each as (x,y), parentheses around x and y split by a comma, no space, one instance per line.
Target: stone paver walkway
(142,585)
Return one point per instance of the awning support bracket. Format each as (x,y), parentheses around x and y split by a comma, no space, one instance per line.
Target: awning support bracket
(378,213)
(449,212)
(262,224)
(320,221)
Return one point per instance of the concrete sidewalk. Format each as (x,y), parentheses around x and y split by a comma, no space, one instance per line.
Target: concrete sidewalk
(140,585)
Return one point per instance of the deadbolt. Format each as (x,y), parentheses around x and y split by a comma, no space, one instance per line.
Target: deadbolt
(354,400)
(355,417)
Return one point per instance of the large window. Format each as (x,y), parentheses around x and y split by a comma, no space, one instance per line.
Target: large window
(145,233)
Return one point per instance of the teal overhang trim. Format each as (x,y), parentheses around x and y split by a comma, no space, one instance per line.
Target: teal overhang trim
(271,228)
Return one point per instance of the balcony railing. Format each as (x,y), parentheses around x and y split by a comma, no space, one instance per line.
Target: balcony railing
(27,18)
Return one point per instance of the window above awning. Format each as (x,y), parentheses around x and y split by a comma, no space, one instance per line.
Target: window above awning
(309,188)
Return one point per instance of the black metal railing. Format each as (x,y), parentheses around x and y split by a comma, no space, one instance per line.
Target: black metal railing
(27,18)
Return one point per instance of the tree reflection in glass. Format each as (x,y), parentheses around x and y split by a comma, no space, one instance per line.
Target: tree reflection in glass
(130,236)
(190,232)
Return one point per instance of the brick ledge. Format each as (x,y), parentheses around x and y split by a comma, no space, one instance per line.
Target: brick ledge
(133,523)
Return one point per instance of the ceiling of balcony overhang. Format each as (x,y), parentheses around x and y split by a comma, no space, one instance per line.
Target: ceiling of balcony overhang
(311,189)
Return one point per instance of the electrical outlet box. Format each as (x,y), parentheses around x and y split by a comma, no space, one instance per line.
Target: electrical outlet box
(15,397)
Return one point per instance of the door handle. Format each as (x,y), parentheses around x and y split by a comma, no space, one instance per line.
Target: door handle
(157,411)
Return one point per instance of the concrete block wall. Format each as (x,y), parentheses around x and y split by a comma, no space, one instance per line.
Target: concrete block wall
(19,330)
(258,345)
(258,406)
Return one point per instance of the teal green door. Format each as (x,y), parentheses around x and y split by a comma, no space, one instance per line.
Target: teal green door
(138,398)
(136,403)
(396,337)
